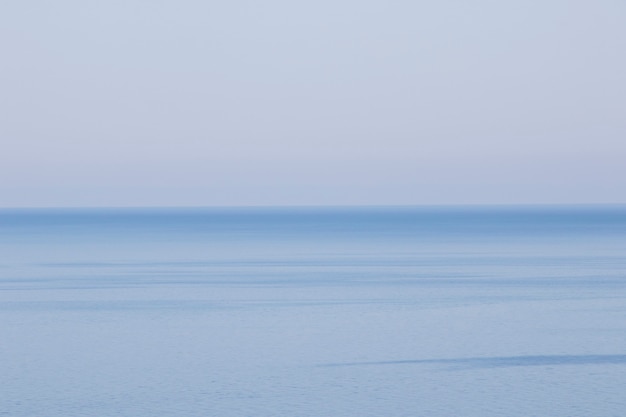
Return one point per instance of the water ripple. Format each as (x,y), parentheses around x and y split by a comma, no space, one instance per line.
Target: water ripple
(502,361)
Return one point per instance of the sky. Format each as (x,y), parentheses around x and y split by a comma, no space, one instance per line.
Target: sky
(342,102)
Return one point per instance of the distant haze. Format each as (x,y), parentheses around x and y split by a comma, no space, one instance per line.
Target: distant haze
(190,102)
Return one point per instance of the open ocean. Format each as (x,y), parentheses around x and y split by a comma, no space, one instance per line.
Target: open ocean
(432,311)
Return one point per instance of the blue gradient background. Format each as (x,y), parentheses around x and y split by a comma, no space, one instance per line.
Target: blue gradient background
(194,103)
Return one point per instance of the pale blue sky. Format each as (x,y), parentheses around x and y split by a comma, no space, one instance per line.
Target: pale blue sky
(194,102)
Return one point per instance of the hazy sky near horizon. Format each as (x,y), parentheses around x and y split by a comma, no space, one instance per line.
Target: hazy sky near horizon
(192,102)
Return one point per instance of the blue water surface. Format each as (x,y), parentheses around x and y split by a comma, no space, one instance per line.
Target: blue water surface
(344,311)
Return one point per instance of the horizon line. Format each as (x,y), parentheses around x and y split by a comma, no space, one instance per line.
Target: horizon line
(310,206)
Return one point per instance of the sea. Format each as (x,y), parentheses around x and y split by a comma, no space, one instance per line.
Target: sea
(459,311)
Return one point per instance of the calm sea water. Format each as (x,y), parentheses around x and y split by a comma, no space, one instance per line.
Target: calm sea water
(483,311)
